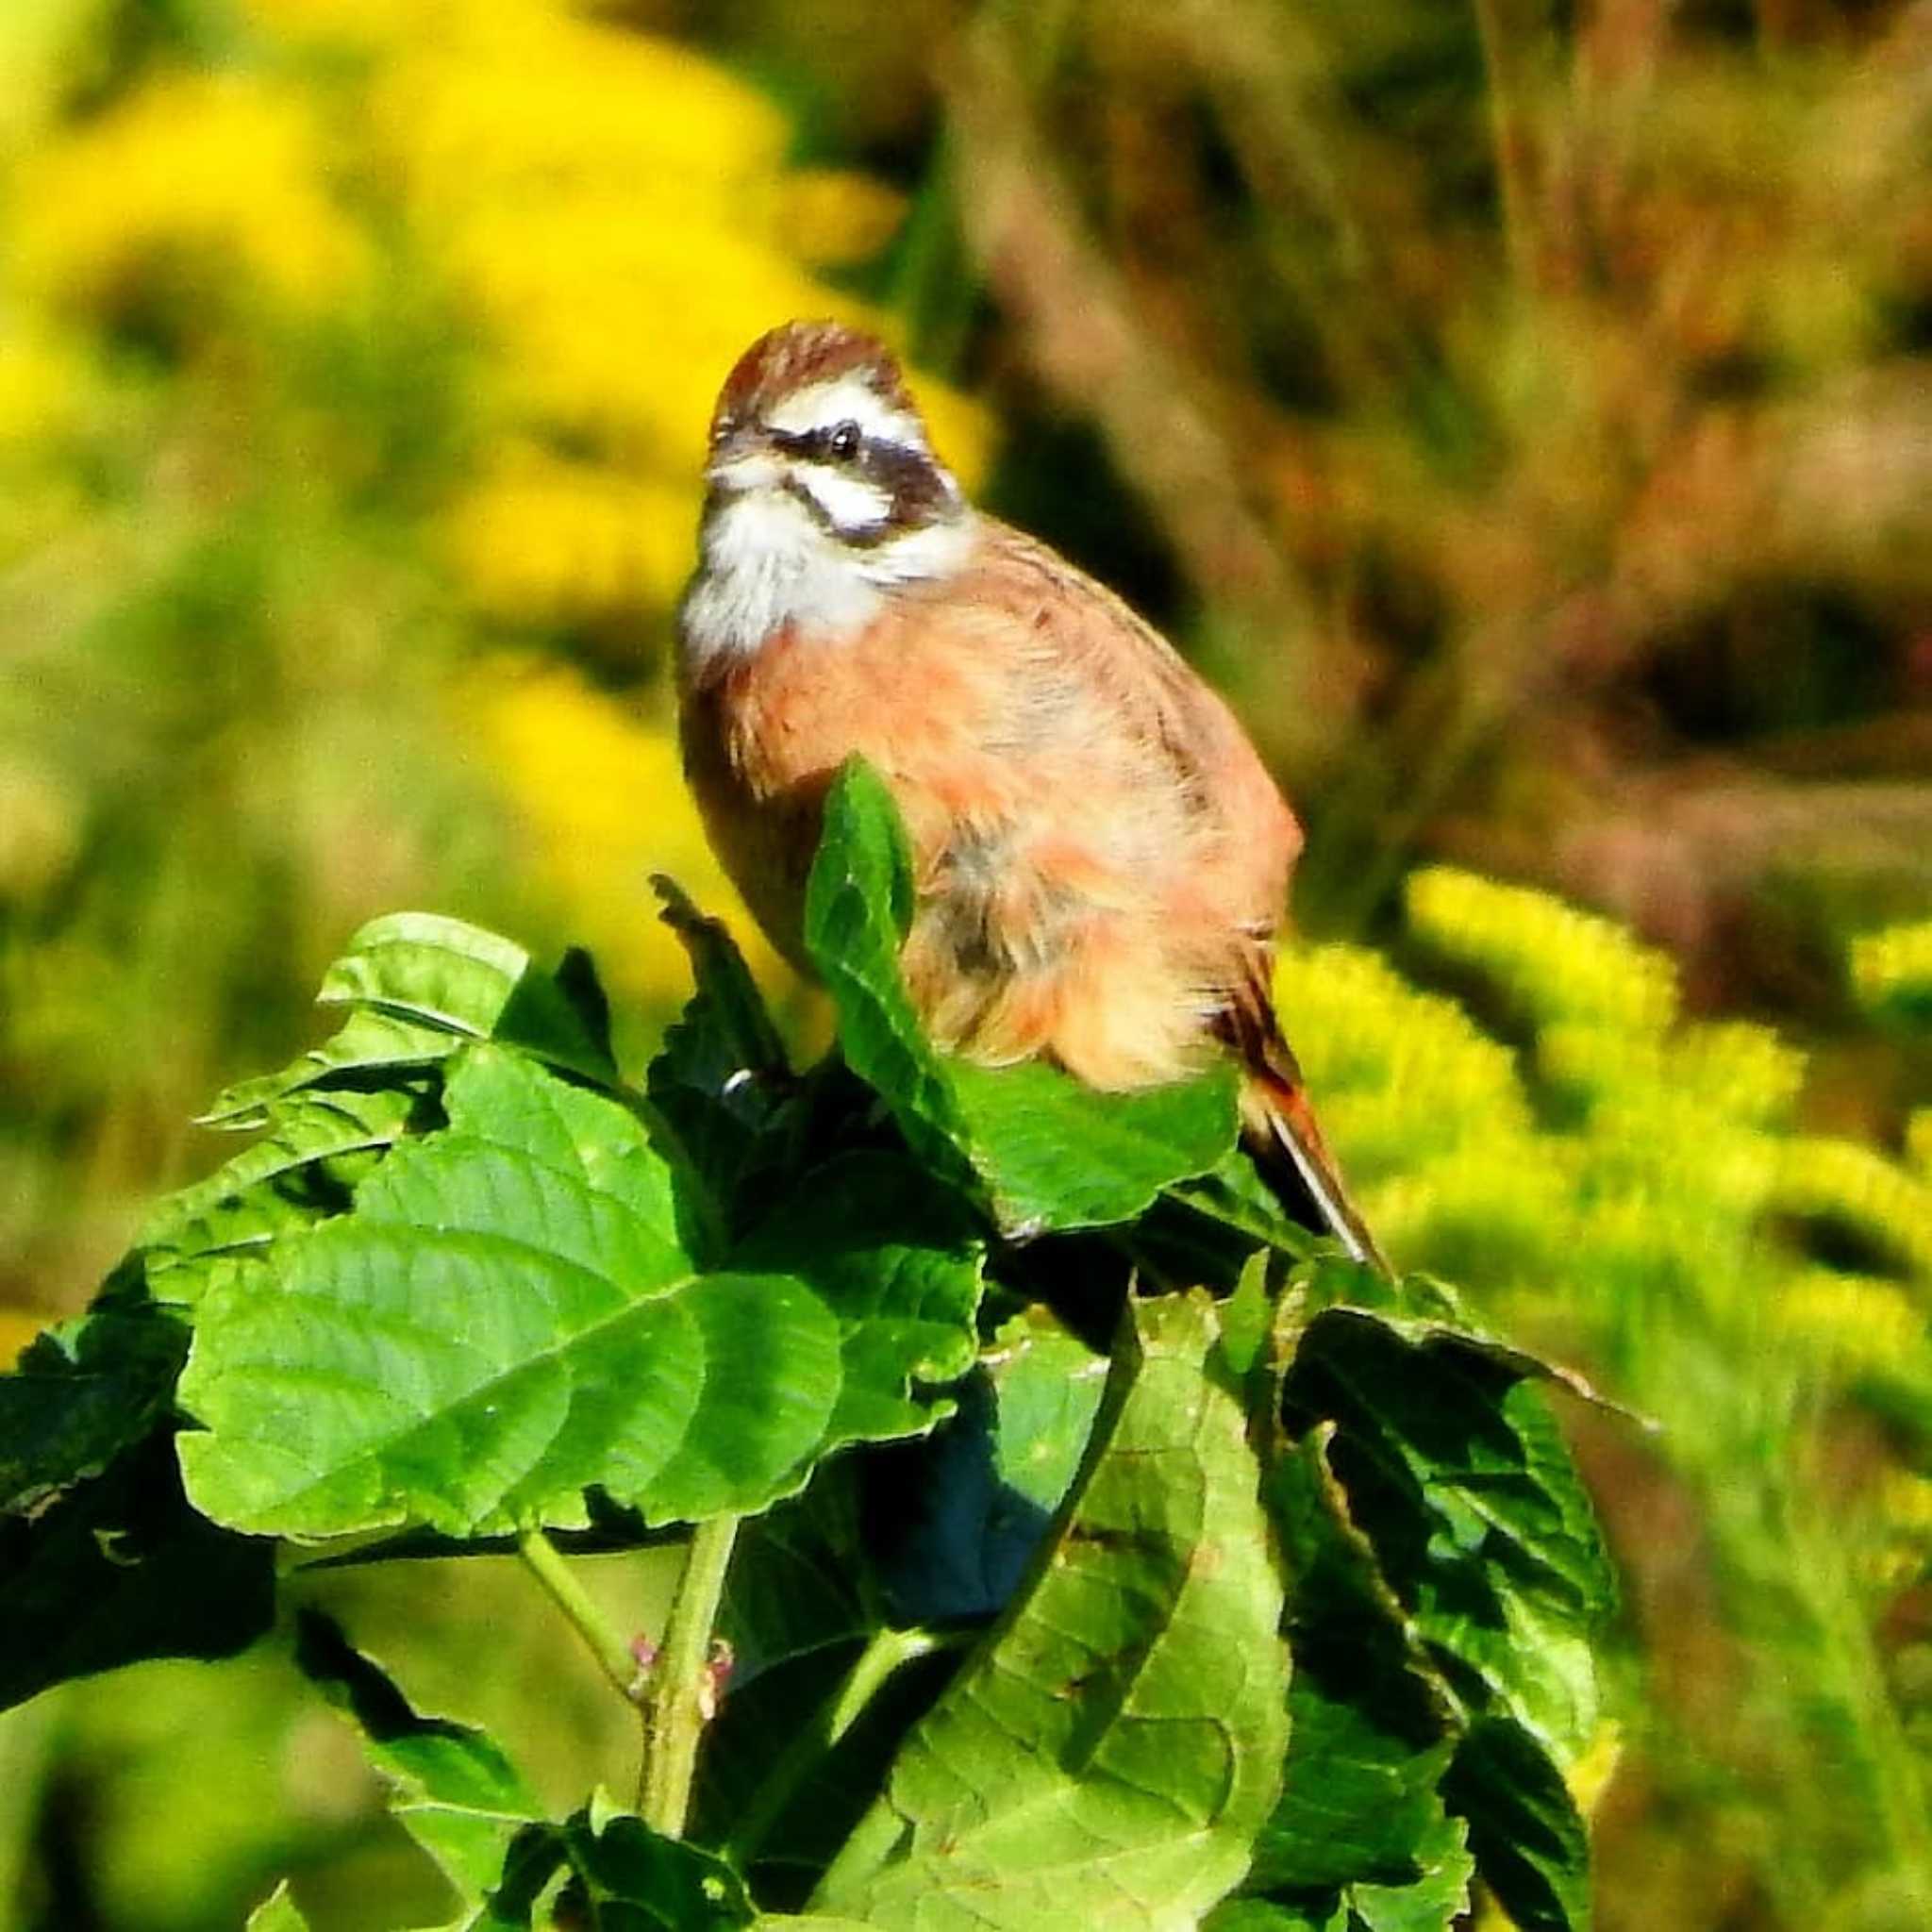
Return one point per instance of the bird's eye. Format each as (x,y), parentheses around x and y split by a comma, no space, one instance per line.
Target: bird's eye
(843,441)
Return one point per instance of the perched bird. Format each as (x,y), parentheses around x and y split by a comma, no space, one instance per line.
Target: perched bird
(1101,856)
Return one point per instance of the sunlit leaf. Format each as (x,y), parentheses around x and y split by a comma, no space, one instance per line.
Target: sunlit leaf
(1108,1758)
(269,1189)
(278,1912)
(509,1315)
(858,906)
(441,973)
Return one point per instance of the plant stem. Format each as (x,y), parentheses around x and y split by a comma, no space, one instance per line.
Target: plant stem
(614,1656)
(675,1704)
(1508,140)
(887,1652)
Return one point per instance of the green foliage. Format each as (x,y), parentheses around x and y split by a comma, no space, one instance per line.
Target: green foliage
(450,1787)
(1112,1750)
(1280,1611)
(1637,1183)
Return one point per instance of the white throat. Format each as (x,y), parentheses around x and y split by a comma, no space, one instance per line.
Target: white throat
(768,563)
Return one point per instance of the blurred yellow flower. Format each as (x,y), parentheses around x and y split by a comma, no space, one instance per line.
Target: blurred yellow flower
(1556,961)
(1919,1142)
(42,380)
(1844,1181)
(1893,965)
(520,97)
(223,175)
(1397,1073)
(1743,1074)
(540,537)
(599,786)
(615,212)
(18,1327)
(1850,1320)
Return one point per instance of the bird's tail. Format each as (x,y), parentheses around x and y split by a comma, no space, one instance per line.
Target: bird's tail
(1280,1127)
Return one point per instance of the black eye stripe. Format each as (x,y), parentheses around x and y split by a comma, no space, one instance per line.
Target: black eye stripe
(874,456)
(834,443)
(916,490)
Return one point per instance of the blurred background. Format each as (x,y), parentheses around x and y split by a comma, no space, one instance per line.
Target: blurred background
(1522,411)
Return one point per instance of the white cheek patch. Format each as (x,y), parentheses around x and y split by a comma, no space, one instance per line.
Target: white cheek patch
(850,502)
(755,472)
(922,554)
(769,563)
(847,399)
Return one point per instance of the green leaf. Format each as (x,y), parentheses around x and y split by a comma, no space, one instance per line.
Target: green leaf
(809,1921)
(192,1240)
(1530,1841)
(506,1317)
(1369,1735)
(1455,1470)
(1036,1147)
(277,1913)
(622,1877)
(1055,1154)
(83,1392)
(117,1570)
(1108,1758)
(857,909)
(1048,1386)
(721,1079)
(796,1582)
(626,1878)
(417,986)
(452,1787)
(1203,1230)
(534,1868)
(440,973)
(898,1261)
(1277,1915)
(1436,1899)
(510,1315)
(369,1042)
(1456,1478)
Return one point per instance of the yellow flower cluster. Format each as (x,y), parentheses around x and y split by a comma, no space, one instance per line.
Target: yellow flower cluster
(45,382)
(1626,1153)
(50,394)
(1843,1181)
(1555,962)
(609,220)
(615,212)
(1850,1322)
(1893,967)
(599,788)
(215,187)
(1744,1074)
(539,538)
(1403,1074)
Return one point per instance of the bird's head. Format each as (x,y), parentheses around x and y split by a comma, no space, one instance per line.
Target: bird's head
(823,492)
